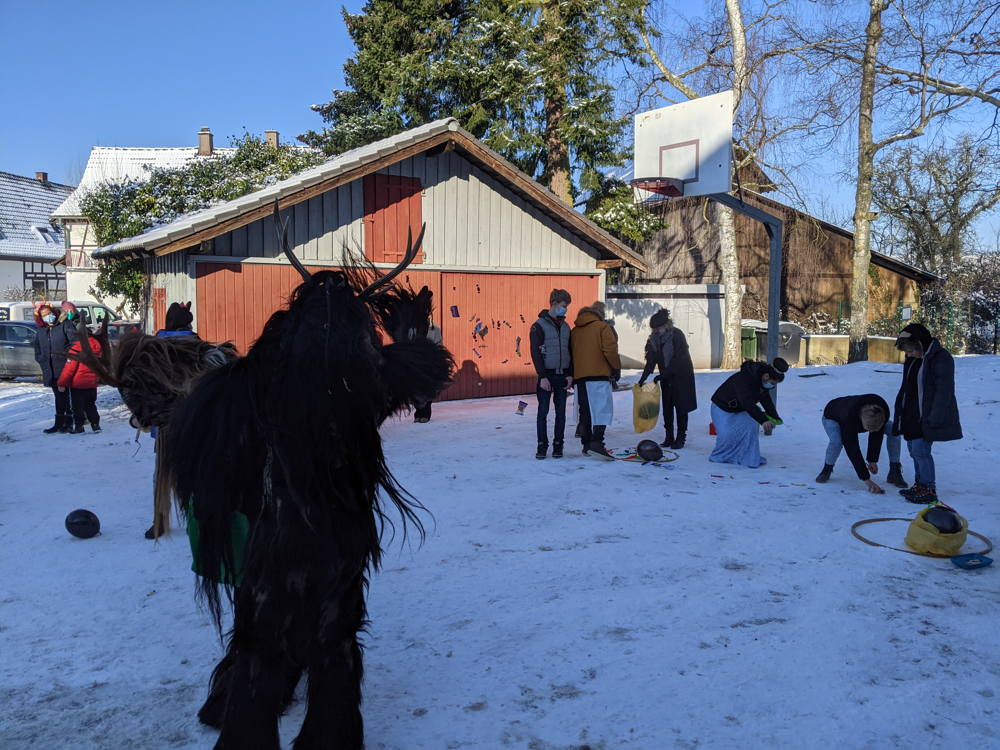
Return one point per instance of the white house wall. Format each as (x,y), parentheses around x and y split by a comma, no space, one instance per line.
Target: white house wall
(473,223)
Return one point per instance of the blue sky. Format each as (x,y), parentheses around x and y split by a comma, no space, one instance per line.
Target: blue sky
(78,74)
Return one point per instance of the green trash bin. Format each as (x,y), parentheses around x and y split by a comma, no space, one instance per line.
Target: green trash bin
(748,343)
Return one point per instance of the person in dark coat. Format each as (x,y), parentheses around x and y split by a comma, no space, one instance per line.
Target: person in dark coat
(56,333)
(737,416)
(551,356)
(667,350)
(844,419)
(926,411)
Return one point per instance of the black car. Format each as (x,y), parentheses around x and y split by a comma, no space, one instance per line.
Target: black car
(17,350)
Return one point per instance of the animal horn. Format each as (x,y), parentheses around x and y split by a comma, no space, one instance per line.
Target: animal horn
(412,248)
(101,365)
(281,227)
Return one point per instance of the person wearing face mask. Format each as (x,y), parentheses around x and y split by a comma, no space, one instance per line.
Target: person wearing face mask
(667,350)
(737,415)
(56,333)
(552,358)
(926,410)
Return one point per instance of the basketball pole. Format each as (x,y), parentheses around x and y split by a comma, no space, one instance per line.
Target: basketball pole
(775,229)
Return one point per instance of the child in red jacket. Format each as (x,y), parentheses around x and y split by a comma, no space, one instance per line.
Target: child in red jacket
(82,382)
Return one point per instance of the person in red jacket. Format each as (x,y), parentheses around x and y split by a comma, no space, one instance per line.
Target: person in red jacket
(82,382)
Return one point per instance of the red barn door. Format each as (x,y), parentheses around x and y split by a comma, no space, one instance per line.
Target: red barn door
(486,318)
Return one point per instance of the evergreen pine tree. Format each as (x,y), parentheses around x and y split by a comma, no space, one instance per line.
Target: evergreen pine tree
(530,79)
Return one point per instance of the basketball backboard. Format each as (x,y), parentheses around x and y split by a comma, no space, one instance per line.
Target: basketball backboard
(690,142)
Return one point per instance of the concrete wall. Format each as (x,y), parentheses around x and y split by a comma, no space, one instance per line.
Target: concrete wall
(833,349)
(697,309)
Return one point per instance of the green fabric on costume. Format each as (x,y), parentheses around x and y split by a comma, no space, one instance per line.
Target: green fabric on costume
(239,530)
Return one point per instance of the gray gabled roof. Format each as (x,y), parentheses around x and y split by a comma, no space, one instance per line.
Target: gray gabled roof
(356,159)
(26,232)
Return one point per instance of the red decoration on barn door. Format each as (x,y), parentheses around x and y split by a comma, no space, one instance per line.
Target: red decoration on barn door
(393,208)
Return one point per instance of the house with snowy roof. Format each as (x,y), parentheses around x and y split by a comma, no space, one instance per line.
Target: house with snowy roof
(113,164)
(31,246)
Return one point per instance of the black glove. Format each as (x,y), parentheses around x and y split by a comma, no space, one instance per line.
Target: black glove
(657,380)
(616,375)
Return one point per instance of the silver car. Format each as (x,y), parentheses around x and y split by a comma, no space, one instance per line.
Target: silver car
(17,350)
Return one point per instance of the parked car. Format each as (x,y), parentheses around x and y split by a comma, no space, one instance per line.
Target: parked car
(17,346)
(17,350)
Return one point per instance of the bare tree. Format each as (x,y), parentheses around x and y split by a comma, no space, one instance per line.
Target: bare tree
(915,65)
(726,51)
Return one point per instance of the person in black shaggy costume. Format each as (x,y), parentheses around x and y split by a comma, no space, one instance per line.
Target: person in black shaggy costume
(289,437)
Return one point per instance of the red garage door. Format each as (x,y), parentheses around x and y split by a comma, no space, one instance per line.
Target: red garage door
(486,320)
(236,299)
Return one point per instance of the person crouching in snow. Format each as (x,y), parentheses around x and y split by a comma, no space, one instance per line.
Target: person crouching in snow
(926,409)
(844,419)
(82,383)
(596,364)
(736,415)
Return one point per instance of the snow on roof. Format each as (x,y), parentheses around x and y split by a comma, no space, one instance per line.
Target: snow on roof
(117,164)
(189,224)
(25,229)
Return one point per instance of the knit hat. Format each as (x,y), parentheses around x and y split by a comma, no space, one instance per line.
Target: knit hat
(915,332)
(659,319)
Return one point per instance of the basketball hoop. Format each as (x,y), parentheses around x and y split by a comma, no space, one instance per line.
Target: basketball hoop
(655,189)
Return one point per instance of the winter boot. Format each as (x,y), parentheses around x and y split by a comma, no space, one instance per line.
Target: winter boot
(67,423)
(895,475)
(150,533)
(76,430)
(557,449)
(824,476)
(55,427)
(542,450)
(596,446)
(668,441)
(679,441)
(916,489)
(95,426)
(926,496)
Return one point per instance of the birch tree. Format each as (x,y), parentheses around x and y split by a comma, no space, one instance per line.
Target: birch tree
(916,64)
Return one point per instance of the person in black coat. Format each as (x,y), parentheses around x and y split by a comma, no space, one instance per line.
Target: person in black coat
(56,333)
(737,416)
(926,410)
(667,350)
(844,419)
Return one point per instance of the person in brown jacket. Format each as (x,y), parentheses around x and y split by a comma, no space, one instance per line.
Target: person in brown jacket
(596,365)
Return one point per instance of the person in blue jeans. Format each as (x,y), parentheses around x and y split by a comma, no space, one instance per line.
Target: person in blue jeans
(552,358)
(844,419)
(926,408)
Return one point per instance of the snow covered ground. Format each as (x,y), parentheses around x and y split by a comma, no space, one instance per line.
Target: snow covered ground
(554,604)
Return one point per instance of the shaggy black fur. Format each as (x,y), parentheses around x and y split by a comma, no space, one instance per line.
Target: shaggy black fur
(289,436)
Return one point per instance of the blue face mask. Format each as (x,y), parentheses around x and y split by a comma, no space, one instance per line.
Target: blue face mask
(769,386)
(560,311)
(50,318)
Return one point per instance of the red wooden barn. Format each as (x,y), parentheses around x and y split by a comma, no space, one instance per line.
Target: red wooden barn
(496,243)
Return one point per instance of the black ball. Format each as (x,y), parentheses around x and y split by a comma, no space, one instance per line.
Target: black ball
(648,450)
(83,524)
(944,520)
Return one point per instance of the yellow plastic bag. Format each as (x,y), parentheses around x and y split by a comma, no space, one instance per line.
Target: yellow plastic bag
(925,537)
(645,406)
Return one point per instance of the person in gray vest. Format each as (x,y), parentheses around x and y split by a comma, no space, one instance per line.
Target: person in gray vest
(550,353)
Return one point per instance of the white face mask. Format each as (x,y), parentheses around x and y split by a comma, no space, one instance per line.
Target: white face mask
(50,318)
(769,386)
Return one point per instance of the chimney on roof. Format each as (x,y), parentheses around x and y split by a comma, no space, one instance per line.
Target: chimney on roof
(271,138)
(205,142)
(42,177)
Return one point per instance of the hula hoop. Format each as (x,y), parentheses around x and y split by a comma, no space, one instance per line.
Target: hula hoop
(854,531)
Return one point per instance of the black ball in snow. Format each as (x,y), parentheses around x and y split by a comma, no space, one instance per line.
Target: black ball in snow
(648,450)
(944,520)
(83,524)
